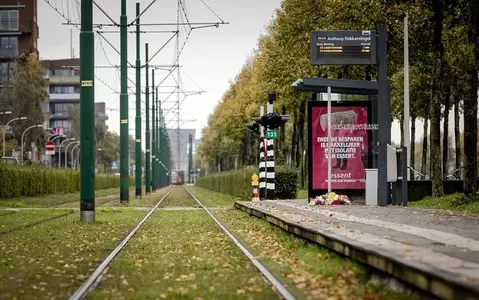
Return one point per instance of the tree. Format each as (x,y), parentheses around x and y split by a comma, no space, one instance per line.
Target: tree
(471,11)
(23,94)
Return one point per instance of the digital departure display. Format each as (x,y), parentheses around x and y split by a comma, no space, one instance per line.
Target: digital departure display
(343,47)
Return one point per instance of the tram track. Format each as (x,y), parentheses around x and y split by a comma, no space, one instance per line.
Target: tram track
(94,280)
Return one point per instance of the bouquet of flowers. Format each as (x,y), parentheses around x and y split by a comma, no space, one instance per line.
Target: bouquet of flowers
(330,199)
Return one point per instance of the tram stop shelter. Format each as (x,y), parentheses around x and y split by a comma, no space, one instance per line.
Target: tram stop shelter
(358,145)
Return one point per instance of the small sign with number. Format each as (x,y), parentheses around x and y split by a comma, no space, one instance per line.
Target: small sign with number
(271,134)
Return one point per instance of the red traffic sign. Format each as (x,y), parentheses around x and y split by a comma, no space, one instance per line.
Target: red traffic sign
(50,146)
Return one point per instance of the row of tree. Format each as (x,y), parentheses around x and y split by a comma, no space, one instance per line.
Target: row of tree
(444,60)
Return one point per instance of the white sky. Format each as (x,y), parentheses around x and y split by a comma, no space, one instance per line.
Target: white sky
(212,57)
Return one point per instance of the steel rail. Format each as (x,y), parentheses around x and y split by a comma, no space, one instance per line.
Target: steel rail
(266,273)
(84,289)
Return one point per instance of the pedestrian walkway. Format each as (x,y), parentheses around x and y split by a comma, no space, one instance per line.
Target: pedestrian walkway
(436,251)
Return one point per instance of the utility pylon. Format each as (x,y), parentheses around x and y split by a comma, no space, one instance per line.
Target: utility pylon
(87,117)
(124,155)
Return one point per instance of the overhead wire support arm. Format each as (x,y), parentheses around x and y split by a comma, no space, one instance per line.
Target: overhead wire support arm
(142,31)
(139,16)
(63,16)
(108,16)
(113,47)
(163,47)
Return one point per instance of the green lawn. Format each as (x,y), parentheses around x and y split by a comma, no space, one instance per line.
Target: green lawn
(182,255)
(53,200)
(145,201)
(23,219)
(302,194)
(451,202)
(213,199)
(50,260)
(179,197)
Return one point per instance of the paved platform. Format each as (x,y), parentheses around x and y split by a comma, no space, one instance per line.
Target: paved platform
(436,251)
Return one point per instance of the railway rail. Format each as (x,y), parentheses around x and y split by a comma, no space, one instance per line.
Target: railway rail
(94,279)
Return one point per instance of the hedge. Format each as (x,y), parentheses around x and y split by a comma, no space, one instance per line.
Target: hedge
(238,182)
(29,181)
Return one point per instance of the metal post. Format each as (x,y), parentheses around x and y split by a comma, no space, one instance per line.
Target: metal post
(147,146)
(157,144)
(270,194)
(87,117)
(383,117)
(66,152)
(153,132)
(138,173)
(124,156)
(329,139)
(60,151)
(4,130)
(262,170)
(407,141)
(23,135)
(405,170)
(71,155)
(190,157)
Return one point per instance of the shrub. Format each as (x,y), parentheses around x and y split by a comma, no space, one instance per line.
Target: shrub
(29,181)
(238,182)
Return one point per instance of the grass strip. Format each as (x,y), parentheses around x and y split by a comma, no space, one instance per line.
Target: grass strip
(24,219)
(179,198)
(302,194)
(213,199)
(182,255)
(308,270)
(454,202)
(149,200)
(52,200)
(50,260)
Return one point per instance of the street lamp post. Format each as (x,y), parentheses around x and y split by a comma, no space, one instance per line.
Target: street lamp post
(77,159)
(66,152)
(60,151)
(4,129)
(23,135)
(73,149)
(53,140)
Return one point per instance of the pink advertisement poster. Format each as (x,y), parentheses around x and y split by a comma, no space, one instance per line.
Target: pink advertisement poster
(349,146)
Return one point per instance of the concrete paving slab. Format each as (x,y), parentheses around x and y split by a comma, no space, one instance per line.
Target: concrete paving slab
(432,250)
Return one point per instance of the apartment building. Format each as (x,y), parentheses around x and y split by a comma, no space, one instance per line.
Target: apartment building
(18,33)
(63,77)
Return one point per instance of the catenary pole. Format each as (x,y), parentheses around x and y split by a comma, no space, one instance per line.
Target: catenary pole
(87,118)
(124,156)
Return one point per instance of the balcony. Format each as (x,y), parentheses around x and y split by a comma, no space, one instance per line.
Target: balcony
(75,97)
(65,79)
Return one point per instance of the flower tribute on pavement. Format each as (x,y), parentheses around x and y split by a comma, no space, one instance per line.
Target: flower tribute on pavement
(330,199)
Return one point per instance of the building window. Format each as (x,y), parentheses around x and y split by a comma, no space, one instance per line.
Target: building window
(61,108)
(9,46)
(5,70)
(9,20)
(62,89)
(65,124)
(62,72)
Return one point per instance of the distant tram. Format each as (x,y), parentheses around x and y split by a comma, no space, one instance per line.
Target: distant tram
(177,177)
